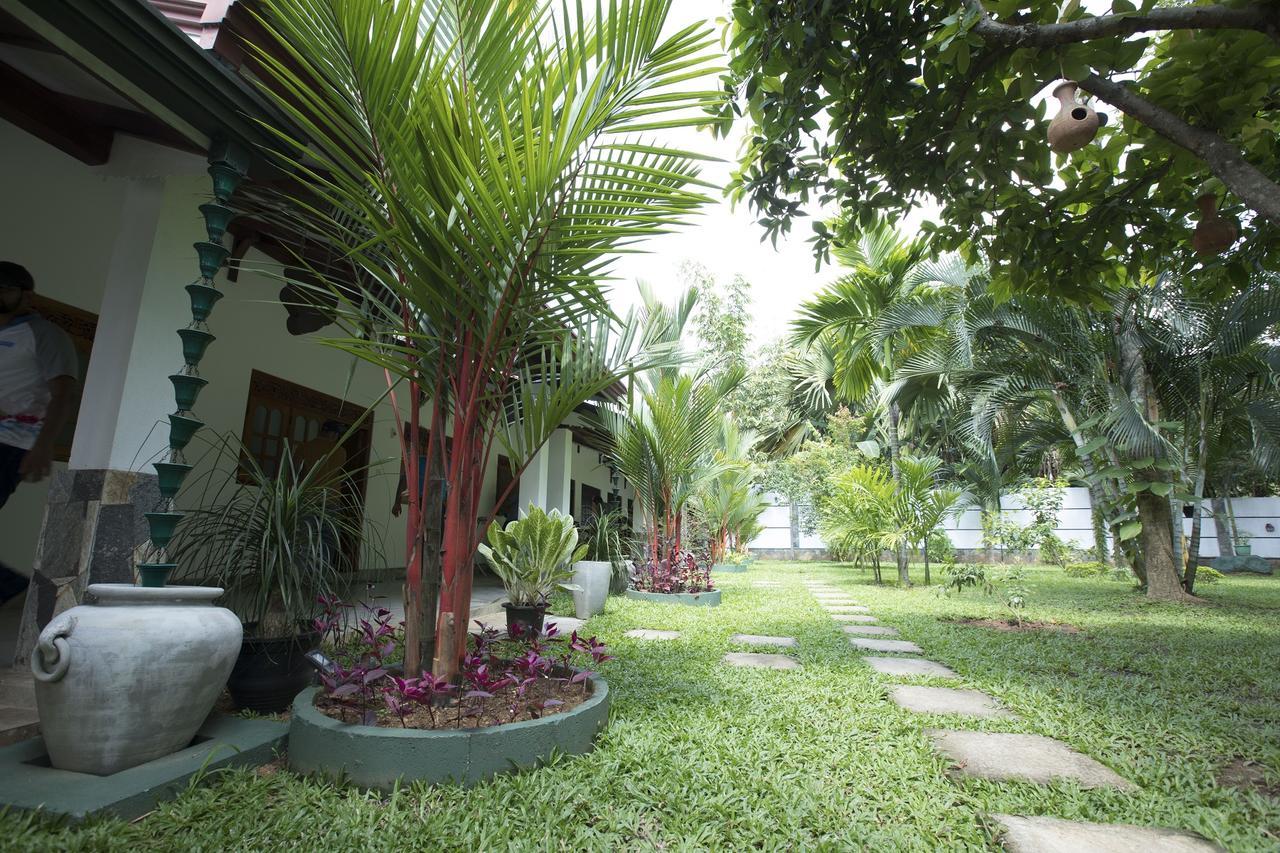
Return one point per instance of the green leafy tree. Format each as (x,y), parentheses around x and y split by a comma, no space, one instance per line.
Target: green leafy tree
(880,106)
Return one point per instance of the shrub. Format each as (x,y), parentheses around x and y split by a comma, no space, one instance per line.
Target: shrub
(1208,574)
(1054,550)
(1086,570)
(940,548)
(958,576)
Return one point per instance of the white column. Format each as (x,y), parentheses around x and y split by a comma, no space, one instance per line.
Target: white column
(533,482)
(559,452)
(120,321)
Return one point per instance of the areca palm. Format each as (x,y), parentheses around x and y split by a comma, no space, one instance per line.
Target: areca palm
(664,444)
(472,167)
(880,266)
(727,503)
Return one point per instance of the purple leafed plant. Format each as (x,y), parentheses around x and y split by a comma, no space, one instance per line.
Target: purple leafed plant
(499,676)
(682,571)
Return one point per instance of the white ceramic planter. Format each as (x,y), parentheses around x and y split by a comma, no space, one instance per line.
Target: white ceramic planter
(131,677)
(593,578)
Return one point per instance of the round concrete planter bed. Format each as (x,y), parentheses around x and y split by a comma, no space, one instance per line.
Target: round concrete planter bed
(376,757)
(690,599)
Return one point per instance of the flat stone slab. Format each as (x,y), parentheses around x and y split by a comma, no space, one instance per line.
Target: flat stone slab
(565,624)
(909,666)
(763,640)
(835,598)
(1029,758)
(869,644)
(946,700)
(27,781)
(1053,835)
(870,630)
(650,634)
(761,660)
(847,608)
(857,618)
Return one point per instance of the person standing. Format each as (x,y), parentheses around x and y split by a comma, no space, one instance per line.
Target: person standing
(38,375)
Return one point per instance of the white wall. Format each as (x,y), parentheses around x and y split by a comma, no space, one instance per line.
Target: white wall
(1075,525)
(63,224)
(59,220)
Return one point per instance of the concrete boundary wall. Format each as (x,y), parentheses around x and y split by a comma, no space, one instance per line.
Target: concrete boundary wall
(1258,517)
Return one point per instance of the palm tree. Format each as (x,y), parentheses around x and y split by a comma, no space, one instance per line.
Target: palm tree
(844,316)
(923,503)
(728,504)
(473,166)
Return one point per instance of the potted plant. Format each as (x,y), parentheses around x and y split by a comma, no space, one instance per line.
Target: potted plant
(532,556)
(594,575)
(1243,548)
(274,540)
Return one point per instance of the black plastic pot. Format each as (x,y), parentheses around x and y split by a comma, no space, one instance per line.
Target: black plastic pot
(270,672)
(528,616)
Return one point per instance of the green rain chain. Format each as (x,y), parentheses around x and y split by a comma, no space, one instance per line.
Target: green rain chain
(226,171)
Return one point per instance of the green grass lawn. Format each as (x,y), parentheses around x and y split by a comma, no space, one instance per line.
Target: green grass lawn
(699,755)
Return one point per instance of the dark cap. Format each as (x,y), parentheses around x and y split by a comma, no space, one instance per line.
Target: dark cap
(15,275)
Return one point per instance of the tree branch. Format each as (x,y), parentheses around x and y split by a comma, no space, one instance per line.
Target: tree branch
(1265,18)
(1225,160)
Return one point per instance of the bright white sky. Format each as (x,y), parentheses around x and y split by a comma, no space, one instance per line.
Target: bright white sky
(726,240)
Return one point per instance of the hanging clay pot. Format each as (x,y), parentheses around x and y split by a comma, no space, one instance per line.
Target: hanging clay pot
(1215,233)
(1075,125)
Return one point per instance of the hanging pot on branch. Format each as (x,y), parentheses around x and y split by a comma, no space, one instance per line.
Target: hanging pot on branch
(1075,125)
(1215,233)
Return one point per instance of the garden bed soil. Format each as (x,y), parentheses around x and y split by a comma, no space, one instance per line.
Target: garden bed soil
(1019,625)
(477,714)
(1246,775)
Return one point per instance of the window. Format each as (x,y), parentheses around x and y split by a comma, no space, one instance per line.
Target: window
(280,412)
(591,502)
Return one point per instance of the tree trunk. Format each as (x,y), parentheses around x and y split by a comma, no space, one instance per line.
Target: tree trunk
(1163,583)
(1175,530)
(1099,528)
(1157,557)
(1221,526)
(926,561)
(895,448)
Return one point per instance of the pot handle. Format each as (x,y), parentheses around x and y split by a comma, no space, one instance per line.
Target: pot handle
(53,646)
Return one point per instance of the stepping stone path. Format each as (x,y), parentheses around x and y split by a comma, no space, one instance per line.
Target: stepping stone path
(1030,758)
(763,640)
(1051,835)
(909,666)
(990,755)
(872,645)
(566,624)
(946,700)
(649,634)
(762,661)
(870,630)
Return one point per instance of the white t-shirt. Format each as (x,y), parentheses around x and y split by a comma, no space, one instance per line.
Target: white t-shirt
(33,352)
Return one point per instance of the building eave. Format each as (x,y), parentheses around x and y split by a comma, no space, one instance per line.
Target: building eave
(133,48)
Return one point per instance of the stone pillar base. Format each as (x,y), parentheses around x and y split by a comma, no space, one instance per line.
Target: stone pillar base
(93,530)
